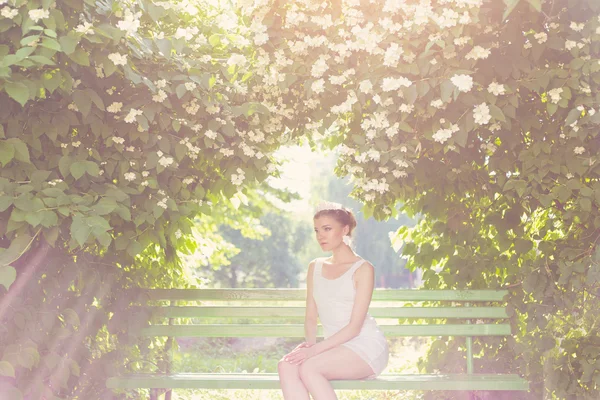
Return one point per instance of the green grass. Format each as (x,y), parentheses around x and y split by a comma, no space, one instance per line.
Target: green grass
(262,355)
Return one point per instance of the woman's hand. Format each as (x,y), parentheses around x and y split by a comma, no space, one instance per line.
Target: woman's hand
(300,354)
(303,344)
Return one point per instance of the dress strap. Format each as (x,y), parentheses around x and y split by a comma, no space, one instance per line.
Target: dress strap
(354,267)
(317,269)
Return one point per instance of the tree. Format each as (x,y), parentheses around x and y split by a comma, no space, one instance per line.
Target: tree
(270,260)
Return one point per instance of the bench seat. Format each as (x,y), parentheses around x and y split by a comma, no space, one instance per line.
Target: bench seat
(271,381)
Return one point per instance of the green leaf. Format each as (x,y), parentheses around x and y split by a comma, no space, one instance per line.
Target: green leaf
(17,91)
(21,150)
(7,275)
(15,250)
(80,57)
(64,165)
(97,100)
(80,230)
(523,246)
(180,90)
(496,112)
(586,204)
(78,169)
(405,127)
(6,369)
(537,4)
(83,102)
(42,60)
(50,43)
(71,317)
(572,116)
(69,43)
(510,6)
(7,152)
(105,206)
(92,168)
(446,88)
(5,202)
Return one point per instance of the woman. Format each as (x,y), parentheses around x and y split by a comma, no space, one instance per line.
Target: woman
(339,290)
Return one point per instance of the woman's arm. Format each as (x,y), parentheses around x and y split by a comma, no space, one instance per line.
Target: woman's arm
(311,314)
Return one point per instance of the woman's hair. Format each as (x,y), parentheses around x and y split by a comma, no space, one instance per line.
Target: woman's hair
(344,216)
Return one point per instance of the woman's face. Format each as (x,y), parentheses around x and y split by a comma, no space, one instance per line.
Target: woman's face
(329,232)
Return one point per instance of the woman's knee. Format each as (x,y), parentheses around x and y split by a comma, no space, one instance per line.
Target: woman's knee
(286,369)
(307,369)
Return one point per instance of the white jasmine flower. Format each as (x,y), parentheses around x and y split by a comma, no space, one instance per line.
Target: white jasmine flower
(579,150)
(442,135)
(478,53)
(130,23)
(464,83)
(8,12)
(393,84)
(392,55)
(129,176)
(319,67)
(496,89)
(318,86)
(541,37)
(76,144)
(85,28)
(481,114)
(438,103)
(365,86)
(237,59)
(118,59)
(190,86)
(461,41)
(555,95)
(188,33)
(407,108)
(160,96)
(161,83)
(38,14)
(213,109)
(211,134)
(165,161)
(570,44)
(130,118)
(576,27)
(115,107)
(118,140)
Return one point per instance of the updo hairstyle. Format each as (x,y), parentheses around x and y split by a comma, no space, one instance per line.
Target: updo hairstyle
(344,216)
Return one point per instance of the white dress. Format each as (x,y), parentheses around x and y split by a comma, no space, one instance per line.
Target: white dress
(335,300)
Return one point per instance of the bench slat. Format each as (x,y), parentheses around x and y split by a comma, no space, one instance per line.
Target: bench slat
(297,330)
(271,381)
(377,312)
(300,294)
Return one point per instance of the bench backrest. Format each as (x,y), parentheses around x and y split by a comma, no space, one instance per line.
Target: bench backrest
(464,313)
(465,309)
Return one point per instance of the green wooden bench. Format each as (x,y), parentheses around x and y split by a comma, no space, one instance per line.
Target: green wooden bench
(459,309)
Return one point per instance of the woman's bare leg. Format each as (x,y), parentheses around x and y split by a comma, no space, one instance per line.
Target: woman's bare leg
(337,363)
(291,384)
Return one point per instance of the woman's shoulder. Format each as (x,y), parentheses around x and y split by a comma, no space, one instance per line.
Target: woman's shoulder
(319,260)
(365,265)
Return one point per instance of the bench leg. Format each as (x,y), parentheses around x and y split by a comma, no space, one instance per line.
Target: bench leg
(153,394)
